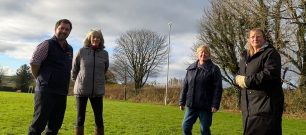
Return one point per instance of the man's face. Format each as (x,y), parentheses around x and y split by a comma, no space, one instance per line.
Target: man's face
(62,31)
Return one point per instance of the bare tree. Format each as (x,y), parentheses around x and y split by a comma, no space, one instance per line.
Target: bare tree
(295,47)
(225,26)
(224,31)
(139,55)
(2,73)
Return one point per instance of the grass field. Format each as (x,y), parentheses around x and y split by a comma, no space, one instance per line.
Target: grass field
(125,118)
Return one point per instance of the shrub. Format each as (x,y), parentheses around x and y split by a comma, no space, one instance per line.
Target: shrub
(295,101)
(7,88)
(114,92)
(147,94)
(229,99)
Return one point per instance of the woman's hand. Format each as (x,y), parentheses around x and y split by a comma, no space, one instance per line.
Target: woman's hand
(213,109)
(182,108)
(240,80)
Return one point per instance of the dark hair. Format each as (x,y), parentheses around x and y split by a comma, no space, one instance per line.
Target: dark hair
(66,21)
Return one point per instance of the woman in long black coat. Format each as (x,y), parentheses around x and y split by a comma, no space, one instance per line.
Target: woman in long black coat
(259,78)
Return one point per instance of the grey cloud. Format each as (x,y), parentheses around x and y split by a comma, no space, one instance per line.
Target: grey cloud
(114,17)
(5,47)
(32,21)
(121,15)
(7,7)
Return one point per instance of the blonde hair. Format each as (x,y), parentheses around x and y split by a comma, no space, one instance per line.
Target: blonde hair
(204,48)
(250,49)
(96,33)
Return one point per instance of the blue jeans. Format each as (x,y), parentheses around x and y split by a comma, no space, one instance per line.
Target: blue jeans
(190,118)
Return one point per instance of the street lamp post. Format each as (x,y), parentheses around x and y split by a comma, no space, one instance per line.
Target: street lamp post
(166,93)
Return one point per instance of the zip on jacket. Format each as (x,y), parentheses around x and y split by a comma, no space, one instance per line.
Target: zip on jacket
(93,73)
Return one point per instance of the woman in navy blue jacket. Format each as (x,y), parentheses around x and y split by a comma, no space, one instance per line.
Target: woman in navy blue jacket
(201,92)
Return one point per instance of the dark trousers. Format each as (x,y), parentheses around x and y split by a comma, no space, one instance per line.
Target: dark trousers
(191,115)
(49,109)
(97,107)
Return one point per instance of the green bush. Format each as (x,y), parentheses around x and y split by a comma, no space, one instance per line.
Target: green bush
(230,98)
(7,88)
(295,101)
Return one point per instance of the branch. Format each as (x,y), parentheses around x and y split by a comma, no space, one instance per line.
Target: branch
(289,83)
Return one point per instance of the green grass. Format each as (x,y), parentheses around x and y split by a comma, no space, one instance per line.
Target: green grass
(124,118)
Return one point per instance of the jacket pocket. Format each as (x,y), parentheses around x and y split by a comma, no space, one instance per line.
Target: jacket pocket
(259,103)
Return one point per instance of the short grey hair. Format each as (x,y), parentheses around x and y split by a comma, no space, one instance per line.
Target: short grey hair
(203,48)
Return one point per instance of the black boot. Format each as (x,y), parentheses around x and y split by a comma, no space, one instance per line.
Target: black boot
(79,130)
(99,131)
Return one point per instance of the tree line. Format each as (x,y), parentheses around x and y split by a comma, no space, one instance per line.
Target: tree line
(23,78)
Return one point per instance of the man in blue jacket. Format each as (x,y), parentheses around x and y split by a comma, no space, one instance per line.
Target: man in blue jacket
(50,65)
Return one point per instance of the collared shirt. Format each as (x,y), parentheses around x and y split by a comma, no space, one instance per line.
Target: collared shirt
(41,52)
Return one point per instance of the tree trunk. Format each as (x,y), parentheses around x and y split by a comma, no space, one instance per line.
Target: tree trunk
(302,84)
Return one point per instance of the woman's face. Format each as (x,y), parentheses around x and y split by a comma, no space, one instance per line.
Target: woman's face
(256,39)
(95,40)
(203,55)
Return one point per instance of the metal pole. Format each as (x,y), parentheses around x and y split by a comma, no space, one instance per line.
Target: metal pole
(166,94)
(125,82)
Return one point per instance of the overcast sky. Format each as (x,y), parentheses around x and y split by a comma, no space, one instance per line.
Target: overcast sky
(26,23)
